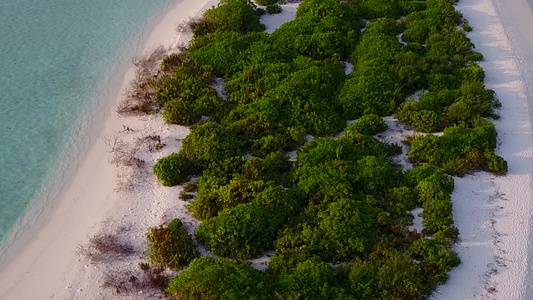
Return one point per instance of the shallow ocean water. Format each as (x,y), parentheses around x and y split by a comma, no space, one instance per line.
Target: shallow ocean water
(56,58)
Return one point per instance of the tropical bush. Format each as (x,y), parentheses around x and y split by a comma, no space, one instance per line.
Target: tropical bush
(209,143)
(273,9)
(244,231)
(229,15)
(173,169)
(460,150)
(171,246)
(368,124)
(266,2)
(209,278)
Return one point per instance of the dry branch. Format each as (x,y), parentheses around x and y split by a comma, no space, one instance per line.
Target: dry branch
(151,280)
(105,246)
(141,95)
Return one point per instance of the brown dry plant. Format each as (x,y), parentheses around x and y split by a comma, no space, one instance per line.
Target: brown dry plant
(104,246)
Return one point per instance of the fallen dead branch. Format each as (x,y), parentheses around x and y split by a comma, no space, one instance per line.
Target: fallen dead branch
(142,92)
(105,246)
(151,280)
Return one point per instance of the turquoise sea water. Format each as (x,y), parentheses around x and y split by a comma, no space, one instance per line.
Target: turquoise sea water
(55,59)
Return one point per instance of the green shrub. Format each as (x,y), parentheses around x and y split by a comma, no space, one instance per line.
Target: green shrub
(238,180)
(273,9)
(373,9)
(266,2)
(436,258)
(180,112)
(402,199)
(209,143)
(171,246)
(173,169)
(215,197)
(399,277)
(229,15)
(312,279)
(331,240)
(244,231)
(184,195)
(363,280)
(369,94)
(368,124)
(423,120)
(190,187)
(432,174)
(467,27)
(315,37)
(459,150)
(376,175)
(496,164)
(186,95)
(209,278)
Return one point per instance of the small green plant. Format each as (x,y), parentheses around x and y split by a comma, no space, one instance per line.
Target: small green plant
(266,2)
(184,196)
(467,27)
(368,124)
(190,187)
(273,9)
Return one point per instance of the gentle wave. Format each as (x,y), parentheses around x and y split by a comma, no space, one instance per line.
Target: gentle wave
(56,59)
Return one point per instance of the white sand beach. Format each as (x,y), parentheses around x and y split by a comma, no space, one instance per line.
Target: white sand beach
(492,213)
(42,263)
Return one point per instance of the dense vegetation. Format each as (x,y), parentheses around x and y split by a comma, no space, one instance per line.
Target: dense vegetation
(337,218)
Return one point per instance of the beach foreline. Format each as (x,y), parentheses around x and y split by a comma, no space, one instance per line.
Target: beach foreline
(43,260)
(496,227)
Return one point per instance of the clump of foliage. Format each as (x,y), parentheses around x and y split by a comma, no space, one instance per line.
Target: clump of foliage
(171,246)
(373,9)
(173,169)
(266,2)
(229,15)
(372,88)
(185,92)
(273,9)
(238,180)
(208,278)
(368,124)
(313,279)
(244,231)
(187,191)
(434,189)
(460,150)
(209,143)
(462,106)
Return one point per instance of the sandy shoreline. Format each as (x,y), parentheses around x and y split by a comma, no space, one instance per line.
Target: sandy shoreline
(492,213)
(42,262)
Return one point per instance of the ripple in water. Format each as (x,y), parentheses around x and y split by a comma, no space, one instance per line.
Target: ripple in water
(54,57)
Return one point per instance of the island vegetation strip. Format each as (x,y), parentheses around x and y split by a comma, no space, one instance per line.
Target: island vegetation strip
(337,218)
